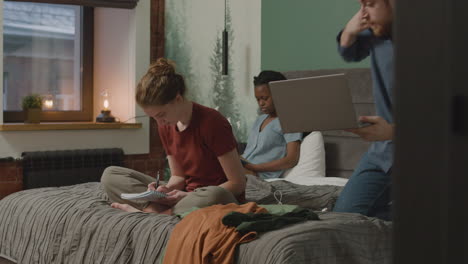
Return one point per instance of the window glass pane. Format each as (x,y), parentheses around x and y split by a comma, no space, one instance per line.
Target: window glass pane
(42,54)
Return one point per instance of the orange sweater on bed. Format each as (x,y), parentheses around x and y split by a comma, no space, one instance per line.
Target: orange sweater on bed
(201,237)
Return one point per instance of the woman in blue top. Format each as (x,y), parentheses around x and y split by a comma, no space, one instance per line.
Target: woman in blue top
(269,151)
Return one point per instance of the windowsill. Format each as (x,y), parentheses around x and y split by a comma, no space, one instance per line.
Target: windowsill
(67,126)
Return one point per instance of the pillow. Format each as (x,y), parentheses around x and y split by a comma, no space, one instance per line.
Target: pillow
(311,160)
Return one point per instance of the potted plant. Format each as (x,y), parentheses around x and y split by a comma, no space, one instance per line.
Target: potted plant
(32,107)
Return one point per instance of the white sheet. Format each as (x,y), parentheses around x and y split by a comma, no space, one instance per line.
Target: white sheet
(314,180)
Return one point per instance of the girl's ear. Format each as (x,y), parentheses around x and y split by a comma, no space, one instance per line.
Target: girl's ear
(179,98)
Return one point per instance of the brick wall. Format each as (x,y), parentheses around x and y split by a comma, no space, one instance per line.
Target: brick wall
(145,163)
(11,177)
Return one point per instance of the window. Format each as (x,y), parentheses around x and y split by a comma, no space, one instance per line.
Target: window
(48,50)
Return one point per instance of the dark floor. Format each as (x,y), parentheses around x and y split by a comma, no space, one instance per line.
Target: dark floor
(5,261)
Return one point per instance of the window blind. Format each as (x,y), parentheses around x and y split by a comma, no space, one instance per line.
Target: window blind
(128,4)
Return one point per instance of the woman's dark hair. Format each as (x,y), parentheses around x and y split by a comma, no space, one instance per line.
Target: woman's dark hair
(266,77)
(160,85)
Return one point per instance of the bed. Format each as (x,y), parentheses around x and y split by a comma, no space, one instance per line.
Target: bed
(75,224)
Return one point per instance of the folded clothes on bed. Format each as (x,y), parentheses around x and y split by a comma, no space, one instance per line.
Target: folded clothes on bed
(204,239)
(262,222)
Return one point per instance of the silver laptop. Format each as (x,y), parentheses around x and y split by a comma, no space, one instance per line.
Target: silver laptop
(314,104)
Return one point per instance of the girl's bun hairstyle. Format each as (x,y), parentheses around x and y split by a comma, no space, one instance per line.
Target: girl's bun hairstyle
(160,85)
(162,67)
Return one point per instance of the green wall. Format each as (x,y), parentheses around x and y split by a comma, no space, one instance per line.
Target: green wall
(301,34)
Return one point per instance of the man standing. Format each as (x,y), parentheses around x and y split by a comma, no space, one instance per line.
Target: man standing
(369,33)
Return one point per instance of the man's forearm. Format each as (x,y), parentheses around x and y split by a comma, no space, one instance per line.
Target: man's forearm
(347,39)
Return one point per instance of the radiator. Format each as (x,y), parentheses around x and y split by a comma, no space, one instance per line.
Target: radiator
(67,167)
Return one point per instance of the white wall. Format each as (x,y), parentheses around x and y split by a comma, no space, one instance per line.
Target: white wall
(191,35)
(120,60)
(247,61)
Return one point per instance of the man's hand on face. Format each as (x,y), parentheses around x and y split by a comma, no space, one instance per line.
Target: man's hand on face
(358,23)
(379,130)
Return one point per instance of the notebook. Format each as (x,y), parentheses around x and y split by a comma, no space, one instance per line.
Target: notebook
(146,196)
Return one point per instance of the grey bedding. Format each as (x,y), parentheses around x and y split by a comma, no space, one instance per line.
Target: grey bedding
(75,224)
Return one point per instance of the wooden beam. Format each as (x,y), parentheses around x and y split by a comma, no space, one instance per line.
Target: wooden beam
(156,51)
(157,29)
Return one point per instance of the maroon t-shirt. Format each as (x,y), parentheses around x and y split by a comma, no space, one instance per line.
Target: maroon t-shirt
(197,148)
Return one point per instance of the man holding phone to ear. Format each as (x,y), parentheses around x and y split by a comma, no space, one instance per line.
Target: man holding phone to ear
(369,33)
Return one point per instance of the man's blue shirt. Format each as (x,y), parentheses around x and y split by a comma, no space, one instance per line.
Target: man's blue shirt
(381,54)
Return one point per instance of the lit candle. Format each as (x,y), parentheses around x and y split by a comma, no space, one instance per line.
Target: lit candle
(49,104)
(106,104)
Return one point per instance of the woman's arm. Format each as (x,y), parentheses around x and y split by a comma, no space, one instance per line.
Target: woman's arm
(175,187)
(232,167)
(177,180)
(289,161)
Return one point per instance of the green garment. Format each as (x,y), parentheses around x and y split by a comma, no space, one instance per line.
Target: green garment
(276,209)
(278,216)
(184,214)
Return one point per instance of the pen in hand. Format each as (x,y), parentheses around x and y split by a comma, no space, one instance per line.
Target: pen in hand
(157,181)
(154,185)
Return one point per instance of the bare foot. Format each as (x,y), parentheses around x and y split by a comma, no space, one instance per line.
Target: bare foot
(125,207)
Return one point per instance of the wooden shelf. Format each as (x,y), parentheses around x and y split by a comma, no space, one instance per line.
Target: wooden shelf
(67,126)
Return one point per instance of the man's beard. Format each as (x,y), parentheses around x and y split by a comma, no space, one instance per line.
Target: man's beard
(382,30)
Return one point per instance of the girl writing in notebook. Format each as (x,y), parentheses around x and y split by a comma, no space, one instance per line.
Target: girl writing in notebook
(200,147)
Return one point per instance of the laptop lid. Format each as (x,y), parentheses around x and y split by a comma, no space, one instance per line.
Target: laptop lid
(314,104)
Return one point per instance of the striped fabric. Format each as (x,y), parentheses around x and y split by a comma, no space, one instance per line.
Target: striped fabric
(75,224)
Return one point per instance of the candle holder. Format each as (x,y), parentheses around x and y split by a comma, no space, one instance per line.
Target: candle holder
(48,103)
(105,116)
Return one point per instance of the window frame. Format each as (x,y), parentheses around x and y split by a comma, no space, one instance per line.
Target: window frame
(87,54)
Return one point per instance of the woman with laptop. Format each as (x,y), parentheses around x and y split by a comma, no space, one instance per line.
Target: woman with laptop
(269,151)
